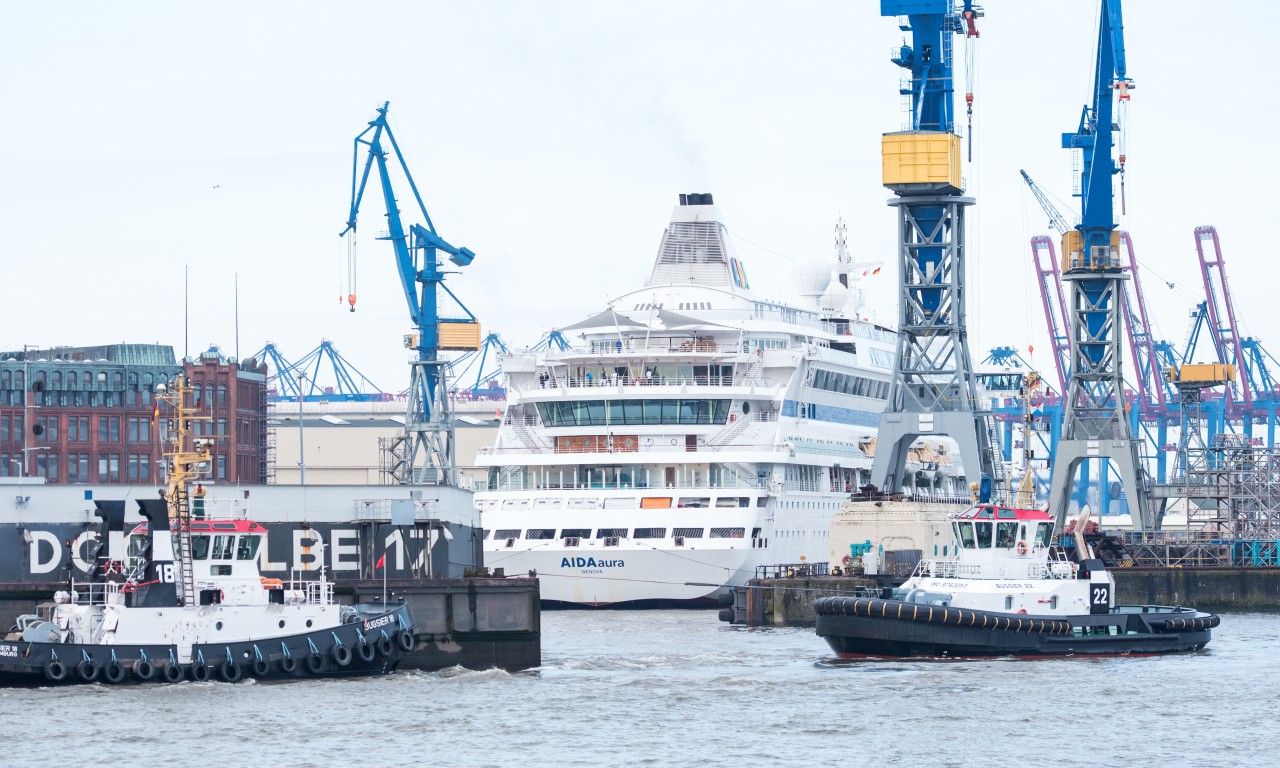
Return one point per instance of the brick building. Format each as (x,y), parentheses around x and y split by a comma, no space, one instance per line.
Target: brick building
(88,414)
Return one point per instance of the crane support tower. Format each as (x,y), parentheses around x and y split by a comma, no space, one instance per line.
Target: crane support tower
(933,389)
(1095,424)
(425,452)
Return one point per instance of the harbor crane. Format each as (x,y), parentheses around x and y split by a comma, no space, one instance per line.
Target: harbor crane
(1095,423)
(933,389)
(425,452)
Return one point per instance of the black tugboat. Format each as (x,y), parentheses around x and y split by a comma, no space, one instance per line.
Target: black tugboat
(1007,592)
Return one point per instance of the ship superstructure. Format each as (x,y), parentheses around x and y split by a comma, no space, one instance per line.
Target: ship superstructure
(694,431)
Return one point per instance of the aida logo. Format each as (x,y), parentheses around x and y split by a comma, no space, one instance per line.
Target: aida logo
(589,562)
(739,273)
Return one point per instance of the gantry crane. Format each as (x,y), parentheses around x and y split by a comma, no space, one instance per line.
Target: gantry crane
(1095,419)
(933,389)
(425,451)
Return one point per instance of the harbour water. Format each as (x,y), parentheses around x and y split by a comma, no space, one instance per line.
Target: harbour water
(680,688)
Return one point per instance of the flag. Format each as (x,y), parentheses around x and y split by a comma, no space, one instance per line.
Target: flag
(864,273)
(875,271)
(155,414)
(381,561)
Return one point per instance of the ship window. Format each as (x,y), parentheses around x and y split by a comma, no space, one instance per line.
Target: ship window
(248,548)
(727,533)
(507,533)
(611,533)
(655,502)
(1043,532)
(223,547)
(732,501)
(137,546)
(1006,534)
(540,533)
(688,533)
(966,535)
(575,533)
(1008,602)
(219,570)
(651,533)
(199,547)
(1005,514)
(982,532)
(698,502)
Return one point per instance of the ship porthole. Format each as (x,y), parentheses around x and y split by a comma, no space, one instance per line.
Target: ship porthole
(282,623)
(746,407)
(218,626)
(308,623)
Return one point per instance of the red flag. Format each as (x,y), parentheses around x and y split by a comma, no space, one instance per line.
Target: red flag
(155,414)
(381,561)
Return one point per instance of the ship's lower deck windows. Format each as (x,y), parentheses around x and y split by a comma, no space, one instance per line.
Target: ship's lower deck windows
(576,533)
(540,533)
(728,533)
(507,533)
(611,533)
(650,533)
(688,533)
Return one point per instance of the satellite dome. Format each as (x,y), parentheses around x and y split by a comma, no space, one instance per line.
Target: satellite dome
(811,277)
(834,298)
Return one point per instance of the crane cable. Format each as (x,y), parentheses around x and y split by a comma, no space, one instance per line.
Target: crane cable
(351,269)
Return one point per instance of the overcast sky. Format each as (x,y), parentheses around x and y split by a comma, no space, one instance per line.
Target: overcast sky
(552,139)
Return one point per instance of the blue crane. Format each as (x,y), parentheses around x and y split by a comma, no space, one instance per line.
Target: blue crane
(1096,420)
(428,423)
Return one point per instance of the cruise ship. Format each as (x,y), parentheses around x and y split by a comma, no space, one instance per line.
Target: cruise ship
(693,431)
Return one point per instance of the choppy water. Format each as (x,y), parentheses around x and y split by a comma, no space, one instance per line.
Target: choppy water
(679,688)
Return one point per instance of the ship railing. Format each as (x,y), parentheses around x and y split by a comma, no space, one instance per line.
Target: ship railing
(792,570)
(94,593)
(621,449)
(740,483)
(947,569)
(219,509)
(308,592)
(615,380)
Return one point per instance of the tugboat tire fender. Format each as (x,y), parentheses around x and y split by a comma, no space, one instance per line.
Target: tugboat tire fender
(341,655)
(261,667)
(144,669)
(113,672)
(87,671)
(315,663)
(364,651)
(172,673)
(385,646)
(288,664)
(199,673)
(406,640)
(230,671)
(55,671)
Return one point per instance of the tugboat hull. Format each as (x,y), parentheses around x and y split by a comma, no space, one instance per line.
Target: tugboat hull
(371,646)
(861,627)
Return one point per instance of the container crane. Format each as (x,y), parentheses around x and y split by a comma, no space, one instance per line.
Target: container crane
(933,389)
(1095,419)
(425,452)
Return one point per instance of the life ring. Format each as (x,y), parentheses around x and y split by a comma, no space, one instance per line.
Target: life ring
(364,651)
(288,664)
(113,672)
(341,655)
(144,669)
(315,663)
(55,670)
(1022,611)
(385,646)
(847,560)
(230,671)
(406,640)
(261,667)
(172,673)
(87,671)
(1022,547)
(199,673)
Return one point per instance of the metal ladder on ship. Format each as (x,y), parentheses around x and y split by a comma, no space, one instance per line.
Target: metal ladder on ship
(187,585)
